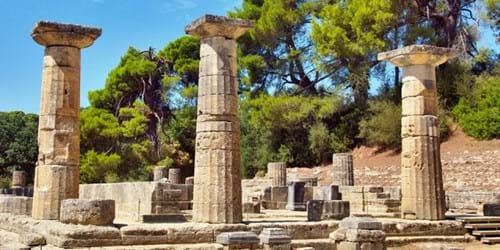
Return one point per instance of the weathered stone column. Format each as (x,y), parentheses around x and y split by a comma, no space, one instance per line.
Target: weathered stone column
(217,175)
(18,179)
(422,181)
(174,175)
(276,171)
(342,169)
(159,172)
(57,171)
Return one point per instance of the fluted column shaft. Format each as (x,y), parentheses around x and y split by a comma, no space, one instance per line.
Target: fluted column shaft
(342,169)
(217,176)
(422,181)
(276,171)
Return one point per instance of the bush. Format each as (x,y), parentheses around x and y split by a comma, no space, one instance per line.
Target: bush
(382,127)
(99,167)
(479,113)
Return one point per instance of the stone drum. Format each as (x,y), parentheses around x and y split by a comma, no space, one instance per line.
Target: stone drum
(18,179)
(342,169)
(276,171)
(174,175)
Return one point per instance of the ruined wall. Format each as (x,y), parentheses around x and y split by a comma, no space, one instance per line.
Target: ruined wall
(133,199)
(467,171)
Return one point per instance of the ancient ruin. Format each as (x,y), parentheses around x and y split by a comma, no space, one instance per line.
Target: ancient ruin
(217,179)
(57,171)
(215,209)
(342,169)
(422,181)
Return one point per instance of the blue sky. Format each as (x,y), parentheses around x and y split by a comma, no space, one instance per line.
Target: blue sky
(138,23)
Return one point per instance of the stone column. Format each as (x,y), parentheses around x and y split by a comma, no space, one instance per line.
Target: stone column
(159,172)
(174,175)
(342,169)
(276,171)
(18,179)
(57,171)
(296,196)
(217,175)
(422,181)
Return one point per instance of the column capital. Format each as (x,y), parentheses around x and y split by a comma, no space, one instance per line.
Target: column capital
(417,55)
(210,25)
(60,34)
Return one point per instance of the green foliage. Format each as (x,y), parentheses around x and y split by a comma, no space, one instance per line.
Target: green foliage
(291,129)
(5,181)
(479,113)
(352,32)
(277,52)
(18,142)
(99,167)
(382,127)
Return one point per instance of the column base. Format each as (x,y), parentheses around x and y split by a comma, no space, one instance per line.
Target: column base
(53,183)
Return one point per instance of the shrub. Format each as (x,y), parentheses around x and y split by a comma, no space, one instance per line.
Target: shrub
(382,127)
(479,113)
(99,167)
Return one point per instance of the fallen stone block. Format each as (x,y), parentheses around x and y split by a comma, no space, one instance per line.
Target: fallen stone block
(335,210)
(87,212)
(314,210)
(238,240)
(275,238)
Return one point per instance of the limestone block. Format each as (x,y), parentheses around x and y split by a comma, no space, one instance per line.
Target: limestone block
(18,205)
(87,212)
(18,179)
(491,209)
(275,239)
(335,209)
(413,86)
(361,223)
(426,125)
(421,185)
(418,55)
(342,169)
(189,180)
(174,175)
(53,183)
(296,197)
(420,105)
(314,210)
(217,104)
(212,63)
(218,26)
(276,171)
(51,33)
(159,172)
(238,240)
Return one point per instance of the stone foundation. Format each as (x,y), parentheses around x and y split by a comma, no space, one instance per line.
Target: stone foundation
(303,233)
(15,204)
